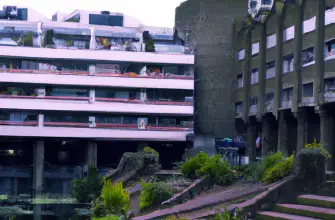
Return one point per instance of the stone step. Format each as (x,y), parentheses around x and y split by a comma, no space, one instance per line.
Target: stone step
(316,200)
(308,211)
(277,215)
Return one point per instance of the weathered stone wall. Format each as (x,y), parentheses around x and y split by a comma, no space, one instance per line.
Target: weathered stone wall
(209,26)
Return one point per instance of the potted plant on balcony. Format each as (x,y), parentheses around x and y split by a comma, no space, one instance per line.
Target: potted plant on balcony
(149,45)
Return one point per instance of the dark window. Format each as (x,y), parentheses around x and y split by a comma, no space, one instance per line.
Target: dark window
(109,20)
(239,81)
(308,90)
(308,55)
(287,95)
(253,101)
(22,14)
(75,19)
(288,64)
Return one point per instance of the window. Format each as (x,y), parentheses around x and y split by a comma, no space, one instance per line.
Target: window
(254,76)
(268,102)
(239,81)
(253,101)
(271,41)
(270,69)
(109,119)
(238,108)
(167,121)
(287,95)
(240,54)
(108,20)
(289,33)
(267,2)
(288,64)
(75,19)
(308,90)
(330,48)
(255,48)
(62,91)
(329,85)
(307,56)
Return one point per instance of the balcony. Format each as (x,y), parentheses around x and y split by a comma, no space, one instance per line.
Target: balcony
(159,134)
(307,101)
(15,171)
(96,55)
(253,110)
(238,112)
(286,104)
(82,104)
(63,172)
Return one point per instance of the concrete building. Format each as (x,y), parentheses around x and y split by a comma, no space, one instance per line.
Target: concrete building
(83,89)
(281,80)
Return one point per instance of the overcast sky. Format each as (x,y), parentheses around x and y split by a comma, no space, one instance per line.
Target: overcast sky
(151,12)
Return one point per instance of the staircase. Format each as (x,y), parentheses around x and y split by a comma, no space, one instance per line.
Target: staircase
(307,207)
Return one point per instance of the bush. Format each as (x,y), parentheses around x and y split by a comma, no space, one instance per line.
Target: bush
(279,170)
(272,159)
(115,197)
(153,194)
(316,145)
(191,166)
(99,209)
(152,151)
(217,169)
(87,189)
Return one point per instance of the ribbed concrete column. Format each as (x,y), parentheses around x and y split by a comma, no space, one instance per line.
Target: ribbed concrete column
(326,134)
(92,154)
(279,57)
(283,134)
(301,116)
(266,136)
(298,41)
(92,96)
(319,52)
(246,74)
(38,168)
(261,74)
(251,140)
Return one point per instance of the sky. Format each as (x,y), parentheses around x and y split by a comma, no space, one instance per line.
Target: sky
(158,13)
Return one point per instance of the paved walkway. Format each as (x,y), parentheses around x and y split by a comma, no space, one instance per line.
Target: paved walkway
(207,200)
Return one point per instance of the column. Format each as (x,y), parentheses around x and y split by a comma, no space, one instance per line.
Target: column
(92,154)
(319,52)
(301,116)
(298,39)
(326,134)
(266,136)
(247,73)
(279,57)
(92,96)
(144,95)
(251,141)
(92,69)
(283,134)
(40,120)
(38,168)
(261,74)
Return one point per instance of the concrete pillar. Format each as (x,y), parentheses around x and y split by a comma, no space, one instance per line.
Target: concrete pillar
(92,154)
(298,40)
(247,74)
(251,141)
(92,69)
(40,120)
(38,168)
(143,95)
(279,57)
(92,96)
(319,52)
(261,74)
(326,134)
(301,116)
(15,186)
(283,134)
(266,136)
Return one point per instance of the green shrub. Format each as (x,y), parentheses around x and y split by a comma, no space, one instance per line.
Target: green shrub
(115,197)
(150,150)
(173,217)
(217,169)
(272,159)
(279,170)
(98,209)
(191,166)
(316,145)
(87,189)
(153,194)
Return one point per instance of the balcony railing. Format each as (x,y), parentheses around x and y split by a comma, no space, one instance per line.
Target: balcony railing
(19,123)
(238,113)
(329,96)
(64,172)
(149,127)
(307,101)
(15,171)
(100,74)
